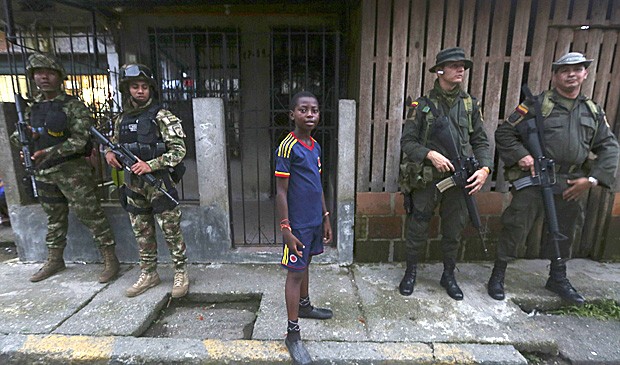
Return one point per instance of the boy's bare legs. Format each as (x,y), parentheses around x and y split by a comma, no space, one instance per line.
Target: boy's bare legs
(292,292)
(305,282)
(306,309)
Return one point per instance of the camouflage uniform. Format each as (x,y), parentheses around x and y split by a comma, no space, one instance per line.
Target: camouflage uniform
(142,195)
(70,182)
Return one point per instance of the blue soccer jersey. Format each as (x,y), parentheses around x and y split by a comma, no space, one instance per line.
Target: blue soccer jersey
(301,164)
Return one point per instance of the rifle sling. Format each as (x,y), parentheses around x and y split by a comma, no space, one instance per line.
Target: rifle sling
(538,117)
(436,113)
(57,161)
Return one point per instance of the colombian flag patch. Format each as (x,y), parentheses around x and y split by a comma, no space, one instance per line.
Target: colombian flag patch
(414,104)
(521,109)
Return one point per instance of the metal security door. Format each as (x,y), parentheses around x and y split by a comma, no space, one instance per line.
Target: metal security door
(274,67)
(191,63)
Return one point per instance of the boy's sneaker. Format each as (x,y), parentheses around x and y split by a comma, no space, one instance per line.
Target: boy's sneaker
(181,284)
(296,349)
(315,313)
(146,281)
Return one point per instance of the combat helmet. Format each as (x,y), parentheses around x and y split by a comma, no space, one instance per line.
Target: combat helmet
(40,60)
(135,72)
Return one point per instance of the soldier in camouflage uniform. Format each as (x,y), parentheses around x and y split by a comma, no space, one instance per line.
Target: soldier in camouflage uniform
(574,128)
(425,163)
(59,125)
(155,136)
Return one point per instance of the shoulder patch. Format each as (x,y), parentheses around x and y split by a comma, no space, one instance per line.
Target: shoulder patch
(172,122)
(521,109)
(515,118)
(411,104)
(167,117)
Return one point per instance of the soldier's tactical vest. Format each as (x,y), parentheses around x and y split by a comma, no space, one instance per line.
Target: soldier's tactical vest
(139,134)
(49,121)
(514,172)
(415,175)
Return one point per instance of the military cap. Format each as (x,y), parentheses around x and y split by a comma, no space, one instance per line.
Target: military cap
(454,54)
(40,60)
(571,58)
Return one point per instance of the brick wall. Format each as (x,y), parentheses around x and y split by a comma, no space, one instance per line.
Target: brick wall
(380,229)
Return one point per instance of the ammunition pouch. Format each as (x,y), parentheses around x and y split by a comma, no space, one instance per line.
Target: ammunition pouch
(513,173)
(177,172)
(145,151)
(412,176)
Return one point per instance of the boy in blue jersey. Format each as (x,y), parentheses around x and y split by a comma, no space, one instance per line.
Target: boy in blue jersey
(304,218)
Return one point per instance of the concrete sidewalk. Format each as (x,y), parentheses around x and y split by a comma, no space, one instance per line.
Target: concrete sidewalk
(70,318)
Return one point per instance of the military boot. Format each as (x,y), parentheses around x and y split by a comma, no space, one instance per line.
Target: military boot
(559,284)
(110,264)
(180,285)
(408,282)
(448,281)
(495,288)
(146,281)
(55,263)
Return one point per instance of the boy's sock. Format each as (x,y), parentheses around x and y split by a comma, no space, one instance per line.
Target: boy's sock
(306,310)
(293,330)
(295,346)
(304,302)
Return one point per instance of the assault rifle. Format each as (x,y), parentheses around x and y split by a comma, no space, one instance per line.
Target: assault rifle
(128,159)
(531,133)
(26,142)
(463,169)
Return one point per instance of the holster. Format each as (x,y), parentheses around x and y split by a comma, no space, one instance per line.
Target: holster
(162,203)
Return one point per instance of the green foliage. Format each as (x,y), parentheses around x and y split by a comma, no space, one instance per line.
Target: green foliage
(543,359)
(532,359)
(604,310)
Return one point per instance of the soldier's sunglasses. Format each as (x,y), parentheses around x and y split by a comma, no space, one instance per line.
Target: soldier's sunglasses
(135,71)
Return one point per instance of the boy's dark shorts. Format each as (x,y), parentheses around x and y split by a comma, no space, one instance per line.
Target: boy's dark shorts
(312,238)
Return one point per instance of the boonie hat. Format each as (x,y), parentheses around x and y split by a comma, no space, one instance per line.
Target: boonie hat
(571,58)
(451,55)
